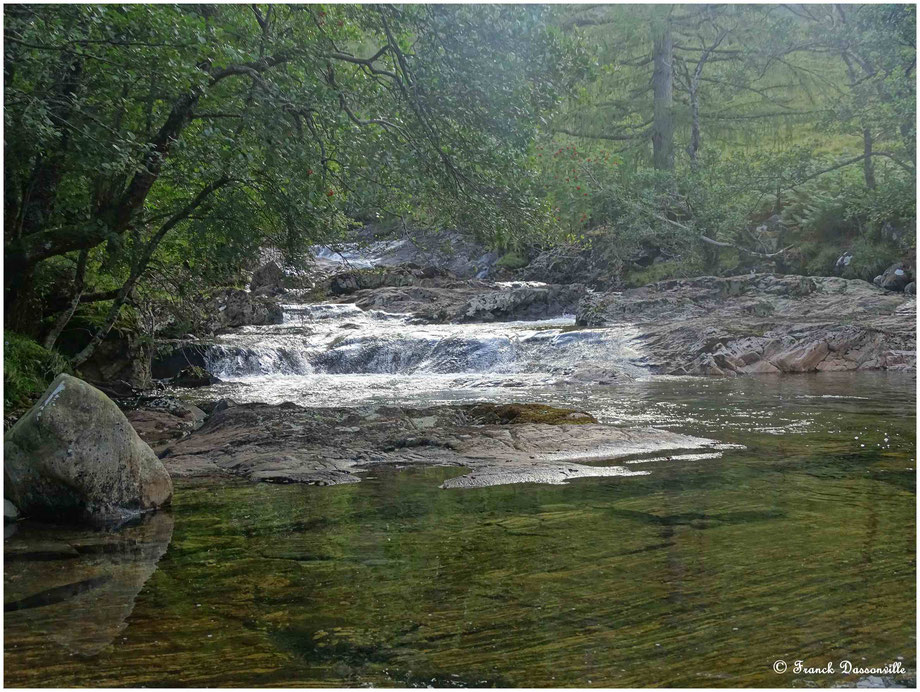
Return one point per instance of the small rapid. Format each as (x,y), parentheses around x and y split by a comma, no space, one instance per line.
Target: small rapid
(341,339)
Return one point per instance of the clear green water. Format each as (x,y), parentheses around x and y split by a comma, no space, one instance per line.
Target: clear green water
(702,573)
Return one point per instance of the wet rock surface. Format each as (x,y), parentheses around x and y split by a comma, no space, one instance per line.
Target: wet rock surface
(164,420)
(74,455)
(452,251)
(193,376)
(763,323)
(348,282)
(497,444)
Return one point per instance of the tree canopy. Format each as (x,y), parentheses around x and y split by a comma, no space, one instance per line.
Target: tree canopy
(227,127)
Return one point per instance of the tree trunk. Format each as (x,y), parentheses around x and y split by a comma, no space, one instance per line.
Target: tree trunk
(21,303)
(110,320)
(694,123)
(868,167)
(139,267)
(662,86)
(64,317)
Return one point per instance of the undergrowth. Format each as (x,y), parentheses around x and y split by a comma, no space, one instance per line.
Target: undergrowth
(28,369)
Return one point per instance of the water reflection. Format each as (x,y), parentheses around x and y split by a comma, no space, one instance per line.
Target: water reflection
(75,587)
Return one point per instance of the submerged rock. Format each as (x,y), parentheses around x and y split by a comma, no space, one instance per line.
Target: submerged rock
(517,414)
(762,323)
(517,443)
(74,455)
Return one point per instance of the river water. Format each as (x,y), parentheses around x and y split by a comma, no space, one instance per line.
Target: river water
(796,542)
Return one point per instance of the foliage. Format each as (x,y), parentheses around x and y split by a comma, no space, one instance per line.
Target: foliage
(158,149)
(837,214)
(193,135)
(28,369)
(663,271)
(774,107)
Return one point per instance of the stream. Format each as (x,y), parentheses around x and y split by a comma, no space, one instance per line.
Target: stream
(796,541)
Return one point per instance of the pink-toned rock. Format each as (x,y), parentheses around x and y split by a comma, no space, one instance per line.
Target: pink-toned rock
(763,323)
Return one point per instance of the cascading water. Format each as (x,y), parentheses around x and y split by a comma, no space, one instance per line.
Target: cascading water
(342,339)
(341,348)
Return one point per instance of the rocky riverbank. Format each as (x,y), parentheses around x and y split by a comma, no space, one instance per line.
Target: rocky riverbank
(763,324)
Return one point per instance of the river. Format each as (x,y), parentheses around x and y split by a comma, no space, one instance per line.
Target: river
(794,541)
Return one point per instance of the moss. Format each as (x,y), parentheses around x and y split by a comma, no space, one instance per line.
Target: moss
(28,369)
(661,271)
(513,414)
(513,260)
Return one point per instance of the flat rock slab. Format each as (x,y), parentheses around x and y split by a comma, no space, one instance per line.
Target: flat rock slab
(327,446)
(473,301)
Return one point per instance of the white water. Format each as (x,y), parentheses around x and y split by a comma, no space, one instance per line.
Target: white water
(342,339)
(339,354)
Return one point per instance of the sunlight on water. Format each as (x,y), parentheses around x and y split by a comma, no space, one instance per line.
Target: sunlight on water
(781,526)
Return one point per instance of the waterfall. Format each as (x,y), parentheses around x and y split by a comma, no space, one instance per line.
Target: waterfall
(345,340)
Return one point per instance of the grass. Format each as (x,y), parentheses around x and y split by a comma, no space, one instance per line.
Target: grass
(513,260)
(28,369)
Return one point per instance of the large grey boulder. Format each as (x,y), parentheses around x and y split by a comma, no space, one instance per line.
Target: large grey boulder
(74,455)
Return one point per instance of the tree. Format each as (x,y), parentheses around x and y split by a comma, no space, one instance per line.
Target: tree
(130,125)
(662,87)
(738,106)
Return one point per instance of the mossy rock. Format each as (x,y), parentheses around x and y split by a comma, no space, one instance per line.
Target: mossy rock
(514,414)
(193,376)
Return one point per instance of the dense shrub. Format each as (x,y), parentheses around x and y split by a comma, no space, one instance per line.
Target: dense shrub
(838,214)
